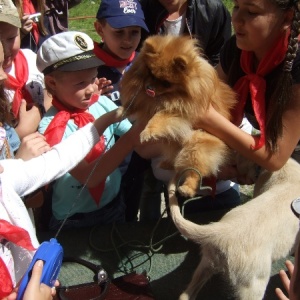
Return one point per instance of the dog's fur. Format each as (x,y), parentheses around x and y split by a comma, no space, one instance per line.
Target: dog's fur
(170,86)
(245,242)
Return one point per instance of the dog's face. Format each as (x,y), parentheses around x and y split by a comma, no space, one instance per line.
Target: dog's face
(169,74)
(165,70)
(167,65)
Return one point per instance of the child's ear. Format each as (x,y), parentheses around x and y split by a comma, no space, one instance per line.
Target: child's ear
(50,82)
(98,28)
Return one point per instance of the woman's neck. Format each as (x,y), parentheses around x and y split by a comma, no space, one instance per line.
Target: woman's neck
(176,12)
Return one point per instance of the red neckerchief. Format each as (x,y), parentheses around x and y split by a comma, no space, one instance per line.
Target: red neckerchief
(56,130)
(20,237)
(256,84)
(18,83)
(28,8)
(109,60)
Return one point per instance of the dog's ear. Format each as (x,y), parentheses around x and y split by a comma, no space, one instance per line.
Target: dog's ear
(179,64)
(149,47)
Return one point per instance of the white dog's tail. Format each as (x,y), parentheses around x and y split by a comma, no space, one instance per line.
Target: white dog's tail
(195,232)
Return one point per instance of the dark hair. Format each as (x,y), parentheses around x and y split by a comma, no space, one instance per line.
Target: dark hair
(278,96)
(5,114)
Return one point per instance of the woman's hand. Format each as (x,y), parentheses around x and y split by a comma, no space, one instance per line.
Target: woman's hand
(26,24)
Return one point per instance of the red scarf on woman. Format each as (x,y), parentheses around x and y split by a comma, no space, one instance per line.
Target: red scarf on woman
(18,83)
(29,8)
(56,130)
(20,237)
(109,60)
(255,83)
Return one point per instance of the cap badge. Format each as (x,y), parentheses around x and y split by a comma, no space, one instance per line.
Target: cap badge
(129,6)
(80,42)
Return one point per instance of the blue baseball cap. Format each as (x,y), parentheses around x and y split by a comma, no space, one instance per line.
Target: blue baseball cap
(122,13)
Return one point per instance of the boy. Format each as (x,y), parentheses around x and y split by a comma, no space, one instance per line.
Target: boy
(24,80)
(70,69)
(120,24)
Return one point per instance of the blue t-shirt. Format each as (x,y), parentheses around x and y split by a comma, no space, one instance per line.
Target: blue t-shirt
(66,188)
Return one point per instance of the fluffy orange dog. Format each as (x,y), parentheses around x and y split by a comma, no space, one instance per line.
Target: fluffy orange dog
(170,86)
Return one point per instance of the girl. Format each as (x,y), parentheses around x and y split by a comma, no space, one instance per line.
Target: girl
(33,31)
(17,245)
(261,62)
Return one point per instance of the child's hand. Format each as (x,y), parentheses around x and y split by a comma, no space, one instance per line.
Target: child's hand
(36,290)
(285,280)
(104,86)
(32,145)
(29,120)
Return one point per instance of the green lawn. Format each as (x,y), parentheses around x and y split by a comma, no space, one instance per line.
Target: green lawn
(83,15)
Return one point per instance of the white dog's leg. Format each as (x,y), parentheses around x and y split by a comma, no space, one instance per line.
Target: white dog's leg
(251,285)
(202,274)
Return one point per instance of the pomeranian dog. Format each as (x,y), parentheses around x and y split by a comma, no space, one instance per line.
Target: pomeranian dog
(170,86)
(245,242)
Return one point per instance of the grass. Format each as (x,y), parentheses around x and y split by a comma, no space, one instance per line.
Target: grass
(83,15)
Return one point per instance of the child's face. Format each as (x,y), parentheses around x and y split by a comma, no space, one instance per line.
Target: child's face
(3,75)
(122,42)
(10,38)
(74,89)
(257,24)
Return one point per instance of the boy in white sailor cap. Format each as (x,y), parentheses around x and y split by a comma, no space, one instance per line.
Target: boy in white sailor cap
(70,68)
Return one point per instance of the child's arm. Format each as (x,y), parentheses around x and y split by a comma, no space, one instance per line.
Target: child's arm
(114,156)
(32,174)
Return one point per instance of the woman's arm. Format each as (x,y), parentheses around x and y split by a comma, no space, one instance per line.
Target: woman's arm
(237,139)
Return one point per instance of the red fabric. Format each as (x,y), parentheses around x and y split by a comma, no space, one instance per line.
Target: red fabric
(255,83)
(29,8)
(109,60)
(6,286)
(57,127)
(20,237)
(18,83)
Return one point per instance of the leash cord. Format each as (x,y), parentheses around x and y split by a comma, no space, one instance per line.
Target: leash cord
(152,247)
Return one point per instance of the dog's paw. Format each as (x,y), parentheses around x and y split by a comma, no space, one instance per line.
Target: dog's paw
(186,191)
(146,135)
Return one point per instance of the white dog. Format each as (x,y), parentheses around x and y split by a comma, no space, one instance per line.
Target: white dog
(245,242)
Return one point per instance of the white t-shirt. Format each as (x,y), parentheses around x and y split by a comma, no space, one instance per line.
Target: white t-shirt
(175,27)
